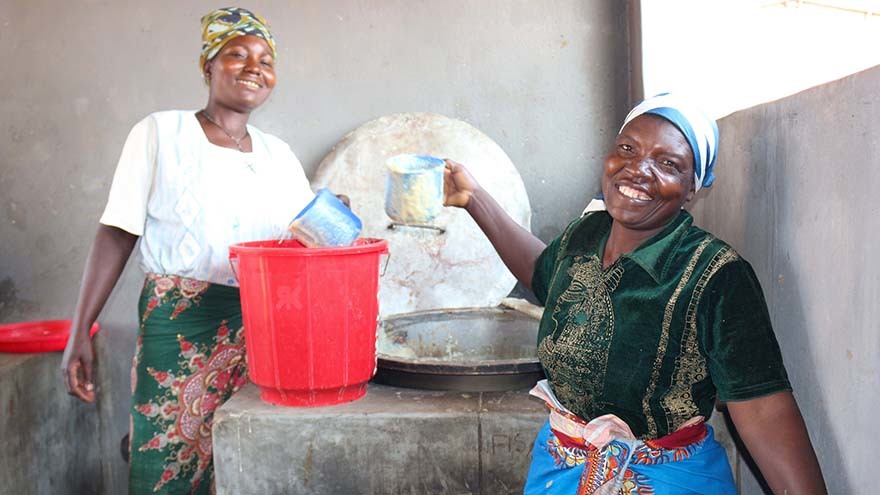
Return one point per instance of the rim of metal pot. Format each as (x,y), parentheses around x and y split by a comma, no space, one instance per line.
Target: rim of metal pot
(430,366)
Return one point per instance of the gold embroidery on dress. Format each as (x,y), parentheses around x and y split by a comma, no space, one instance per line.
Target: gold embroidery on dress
(664,336)
(576,351)
(690,366)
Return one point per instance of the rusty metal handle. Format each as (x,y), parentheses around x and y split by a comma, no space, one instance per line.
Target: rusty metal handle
(233,264)
(385,267)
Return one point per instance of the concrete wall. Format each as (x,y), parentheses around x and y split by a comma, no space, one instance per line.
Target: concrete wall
(37,423)
(548,81)
(393,440)
(796,196)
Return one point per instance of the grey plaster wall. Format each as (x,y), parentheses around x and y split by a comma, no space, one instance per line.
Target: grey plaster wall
(548,81)
(796,196)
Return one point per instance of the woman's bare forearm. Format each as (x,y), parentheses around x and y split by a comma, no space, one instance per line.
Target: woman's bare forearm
(775,434)
(107,257)
(518,248)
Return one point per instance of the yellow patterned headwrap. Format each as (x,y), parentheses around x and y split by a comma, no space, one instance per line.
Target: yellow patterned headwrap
(222,25)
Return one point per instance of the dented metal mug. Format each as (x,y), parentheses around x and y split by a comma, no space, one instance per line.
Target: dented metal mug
(414,188)
(325,222)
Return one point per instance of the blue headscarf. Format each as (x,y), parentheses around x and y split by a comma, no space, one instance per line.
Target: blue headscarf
(700,131)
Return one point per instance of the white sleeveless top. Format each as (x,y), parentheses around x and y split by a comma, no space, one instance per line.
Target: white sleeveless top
(190,199)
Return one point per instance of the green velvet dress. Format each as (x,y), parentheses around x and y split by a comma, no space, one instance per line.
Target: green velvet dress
(657,336)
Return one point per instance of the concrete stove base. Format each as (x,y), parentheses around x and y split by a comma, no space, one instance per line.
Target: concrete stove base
(392,441)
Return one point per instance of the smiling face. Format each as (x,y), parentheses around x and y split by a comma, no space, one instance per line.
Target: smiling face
(649,174)
(242,74)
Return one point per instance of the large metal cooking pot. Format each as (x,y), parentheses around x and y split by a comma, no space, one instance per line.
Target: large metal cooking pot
(467,349)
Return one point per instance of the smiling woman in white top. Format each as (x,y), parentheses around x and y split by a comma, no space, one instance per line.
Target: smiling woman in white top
(188,184)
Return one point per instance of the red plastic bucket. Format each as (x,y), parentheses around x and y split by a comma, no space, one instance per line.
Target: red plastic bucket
(310,318)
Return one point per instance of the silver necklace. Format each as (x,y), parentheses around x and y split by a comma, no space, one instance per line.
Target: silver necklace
(235,140)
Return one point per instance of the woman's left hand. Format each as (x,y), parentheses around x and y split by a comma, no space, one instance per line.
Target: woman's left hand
(774,432)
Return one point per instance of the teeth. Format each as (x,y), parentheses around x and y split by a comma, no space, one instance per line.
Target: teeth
(250,84)
(633,193)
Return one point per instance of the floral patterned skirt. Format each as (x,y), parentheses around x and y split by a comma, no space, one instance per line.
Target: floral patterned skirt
(188,361)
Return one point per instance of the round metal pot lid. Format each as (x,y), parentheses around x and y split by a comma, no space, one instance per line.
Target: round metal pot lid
(451,265)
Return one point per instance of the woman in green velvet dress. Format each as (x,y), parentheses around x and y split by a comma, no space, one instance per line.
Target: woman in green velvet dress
(648,320)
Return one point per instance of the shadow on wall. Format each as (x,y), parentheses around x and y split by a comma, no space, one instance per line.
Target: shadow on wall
(11,307)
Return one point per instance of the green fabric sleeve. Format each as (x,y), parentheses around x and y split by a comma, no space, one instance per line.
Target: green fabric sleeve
(544,267)
(743,355)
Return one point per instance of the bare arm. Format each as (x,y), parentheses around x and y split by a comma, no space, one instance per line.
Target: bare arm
(774,432)
(105,263)
(518,248)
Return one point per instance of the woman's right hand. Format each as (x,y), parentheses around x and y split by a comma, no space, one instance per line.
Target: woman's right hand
(458,185)
(78,365)
(104,265)
(517,246)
